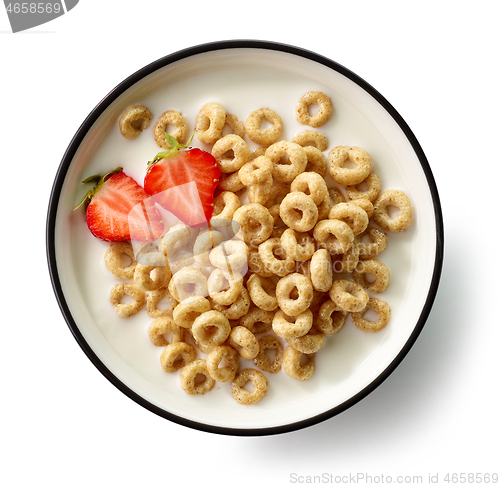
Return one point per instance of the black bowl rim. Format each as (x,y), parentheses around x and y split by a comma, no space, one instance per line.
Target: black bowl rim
(101,107)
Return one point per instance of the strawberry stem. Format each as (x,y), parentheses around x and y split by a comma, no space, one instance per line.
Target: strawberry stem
(175,148)
(98,180)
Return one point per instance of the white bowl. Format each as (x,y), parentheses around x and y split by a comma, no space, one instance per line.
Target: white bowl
(244,76)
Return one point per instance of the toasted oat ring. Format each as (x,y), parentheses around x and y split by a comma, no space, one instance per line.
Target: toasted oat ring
(275,258)
(235,124)
(375,268)
(324,113)
(177,237)
(288,158)
(262,292)
(335,235)
(311,184)
(348,295)
(311,342)
(187,282)
(231,153)
(316,160)
(402,221)
(224,288)
(293,367)
(113,259)
(366,204)
(134,120)
(373,184)
(230,256)
(336,195)
(324,209)
(204,243)
(225,204)
(211,328)
(337,158)
(129,309)
(257,320)
(297,245)
(244,342)
(160,327)
(378,306)
(377,245)
(255,262)
(321,270)
(236,310)
(350,258)
(284,288)
(318,140)
(352,214)
(269,135)
(255,222)
(232,363)
(262,361)
(259,193)
(286,326)
(278,191)
(209,122)
(149,278)
(170,117)
(256,171)
(153,298)
(186,312)
(189,380)
(177,355)
(230,182)
(330,318)
(299,212)
(258,381)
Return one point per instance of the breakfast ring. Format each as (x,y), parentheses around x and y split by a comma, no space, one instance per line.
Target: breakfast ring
(231,359)
(186,312)
(402,221)
(244,342)
(274,257)
(288,304)
(128,309)
(259,193)
(366,204)
(262,292)
(177,355)
(297,245)
(177,238)
(373,184)
(293,367)
(311,342)
(345,175)
(231,153)
(375,268)
(350,258)
(209,122)
(257,320)
(189,379)
(316,160)
(255,262)
(348,296)
(286,326)
(258,381)
(330,318)
(288,158)
(321,117)
(225,204)
(204,243)
(236,125)
(230,256)
(318,140)
(230,182)
(256,171)
(160,327)
(154,298)
(299,212)
(223,288)
(267,136)
(278,191)
(381,308)
(262,361)
(336,195)
(324,209)
(175,118)
(377,245)
(134,121)
(255,223)
(352,214)
(149,278)
(211,328)
(321,270)
(113,259)
(187,282)
(312,184)
(236,310)
(335,235)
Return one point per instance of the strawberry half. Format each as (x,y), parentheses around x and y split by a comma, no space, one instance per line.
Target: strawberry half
(183,181)
(118,209)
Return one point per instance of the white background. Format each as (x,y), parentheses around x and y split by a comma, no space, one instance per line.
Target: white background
(63,423)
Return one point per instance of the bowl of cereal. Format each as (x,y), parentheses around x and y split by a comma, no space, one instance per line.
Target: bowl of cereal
(292,285)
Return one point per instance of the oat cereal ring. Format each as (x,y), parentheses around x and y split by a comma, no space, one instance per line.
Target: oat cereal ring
(286,326)
(236,310)
(324,103)
(258,381)
(255,262)
(114,257)
(330,318)
(217,355)
(231,153)
(311,342)
(262,361)
(352,214)
(299,212)
(256,171)
(149,278)
(334,235)
(134,121)
(211,328)
(312,138)
(177,355)
(293,367)
(275,258)
(381,308)
(288,304)
(259,193)
(187,282)
(324,209)
(348,295)
(189,379)
(350,258)
(204,243)
(131,290)
(375,268)
(225,204)
(321,270)
(336,195)
(297,245)
(255,222)
(257,320)
(266,136)
(373,185)
(230,256)
(262,292)
(154,298)
(366,204)
(230,182)
(209,122)
(236,125)
(289,160)
(161,327)
(311,184)
(177,238)
(244,342)
(170,117)
(186,312)
(224,288)
(399,223)
(316,161)
(278,191)
(377,245)
(345,175)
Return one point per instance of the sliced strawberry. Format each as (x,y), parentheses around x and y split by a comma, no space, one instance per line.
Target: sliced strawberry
(170,177)
(118,209)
